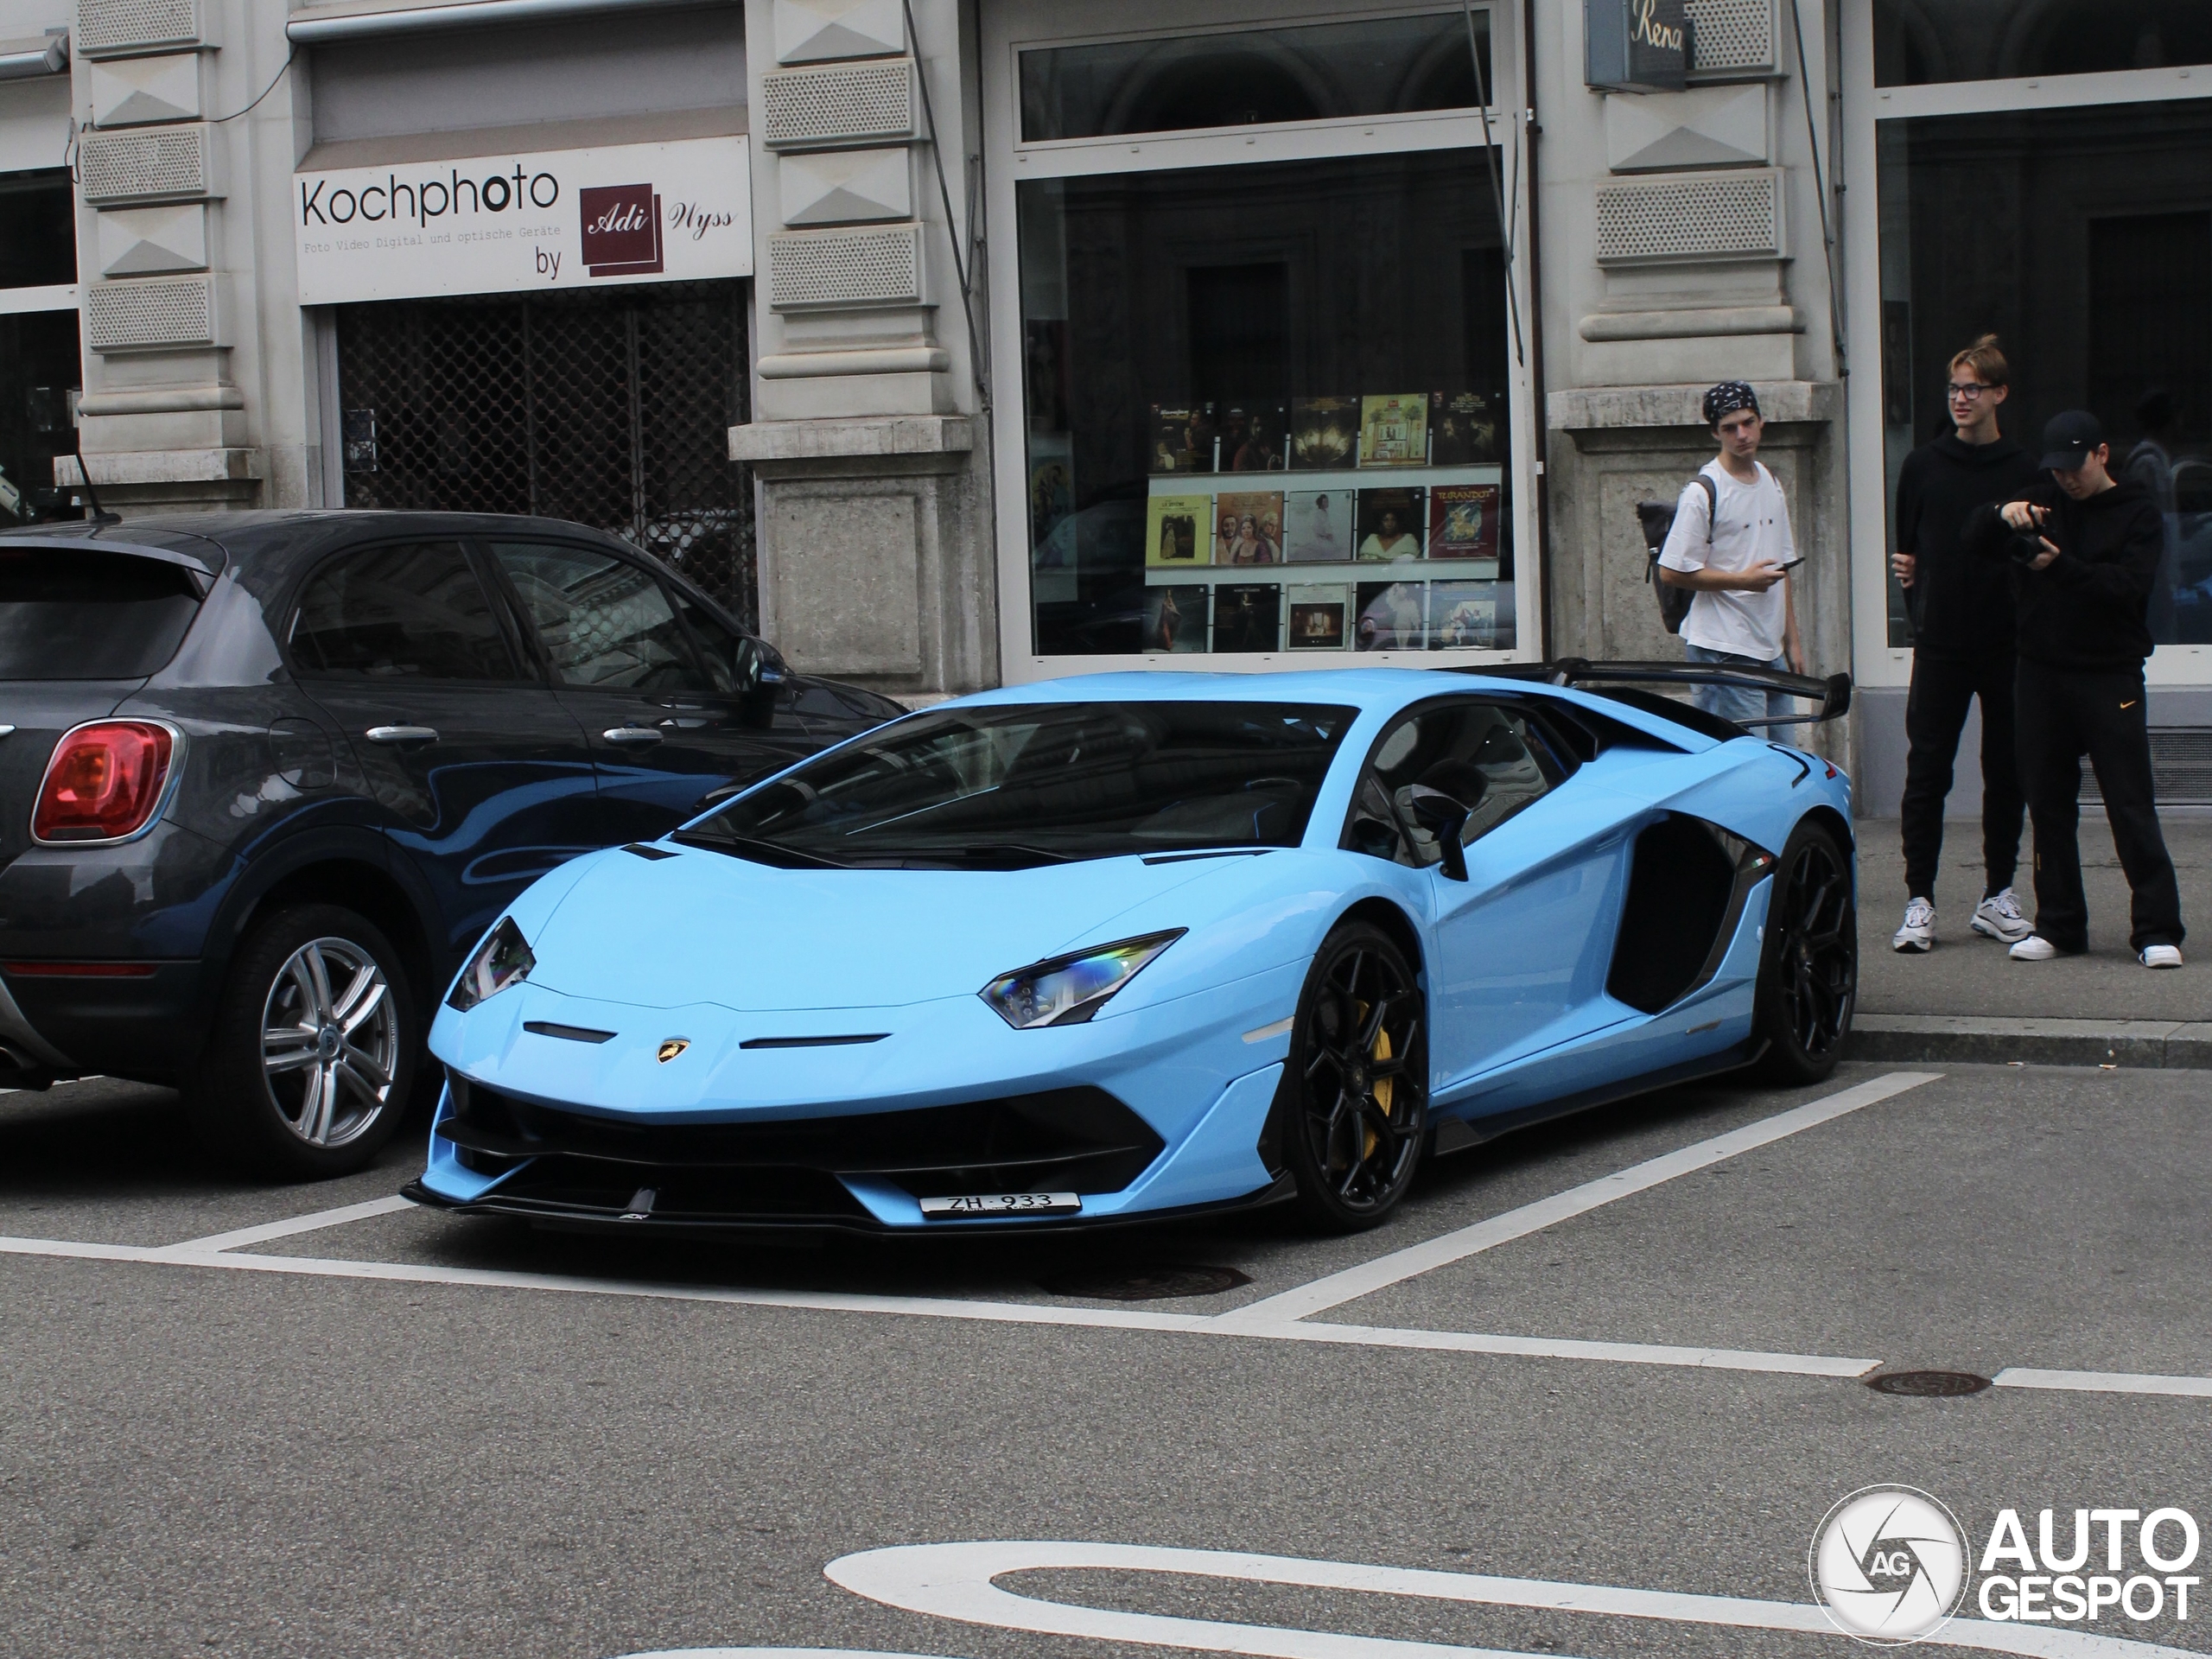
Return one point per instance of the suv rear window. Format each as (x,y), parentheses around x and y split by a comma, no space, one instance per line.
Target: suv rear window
(90,614)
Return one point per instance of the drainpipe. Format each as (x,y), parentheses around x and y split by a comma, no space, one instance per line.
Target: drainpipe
(1541,424)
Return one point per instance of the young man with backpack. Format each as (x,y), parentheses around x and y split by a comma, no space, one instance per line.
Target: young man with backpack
(1730,546)
(1961,610)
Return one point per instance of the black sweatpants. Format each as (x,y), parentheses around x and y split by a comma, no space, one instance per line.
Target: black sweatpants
(1935,715)
(2062,714)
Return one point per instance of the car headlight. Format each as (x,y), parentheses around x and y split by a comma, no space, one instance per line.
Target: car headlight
(502,960)
(1068,990)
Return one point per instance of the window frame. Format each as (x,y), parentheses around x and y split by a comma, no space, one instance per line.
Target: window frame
(1029,25)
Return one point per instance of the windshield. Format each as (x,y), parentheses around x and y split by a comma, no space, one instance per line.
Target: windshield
(1015,786)
(87,613)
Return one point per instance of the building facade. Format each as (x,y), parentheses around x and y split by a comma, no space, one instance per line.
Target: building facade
(961,342)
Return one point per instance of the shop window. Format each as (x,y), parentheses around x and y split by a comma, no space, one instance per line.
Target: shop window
(1267,410)
(2086,246)
(1923,42)
(39,358)
(1382,66)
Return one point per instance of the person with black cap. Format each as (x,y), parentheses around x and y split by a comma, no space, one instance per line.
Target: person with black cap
(2084,549)
(1731,544)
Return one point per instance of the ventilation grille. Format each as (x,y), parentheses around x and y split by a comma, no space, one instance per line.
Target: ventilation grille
(1732,36)
(854,102)
(1703,216)
(151,315)
(160,164)
(2181,768)
(808,268)
(108,29)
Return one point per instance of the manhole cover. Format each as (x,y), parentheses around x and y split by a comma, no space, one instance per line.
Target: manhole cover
(1146,1284)
(1927,1385)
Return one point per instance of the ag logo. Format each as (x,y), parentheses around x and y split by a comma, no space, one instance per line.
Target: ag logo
(672,1047)
(1889,1566)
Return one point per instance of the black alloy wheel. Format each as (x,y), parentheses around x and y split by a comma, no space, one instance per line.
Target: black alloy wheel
(1808,969)
(312,1057)
(1354,1100)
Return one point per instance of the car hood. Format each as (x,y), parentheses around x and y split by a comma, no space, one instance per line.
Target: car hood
(704,926)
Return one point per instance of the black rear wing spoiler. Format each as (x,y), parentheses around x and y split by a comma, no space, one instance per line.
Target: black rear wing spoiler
(1832,693)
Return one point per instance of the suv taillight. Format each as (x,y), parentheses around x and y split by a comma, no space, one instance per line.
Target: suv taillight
(104,782)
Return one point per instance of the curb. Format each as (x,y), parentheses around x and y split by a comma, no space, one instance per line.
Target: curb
(1965,1041)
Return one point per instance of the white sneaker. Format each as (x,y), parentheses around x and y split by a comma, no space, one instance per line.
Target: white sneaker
(1918,932)
(1999,916)
(2161,956)
(2034,948)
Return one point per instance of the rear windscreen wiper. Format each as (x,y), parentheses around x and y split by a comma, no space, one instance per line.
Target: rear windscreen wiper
(760,852)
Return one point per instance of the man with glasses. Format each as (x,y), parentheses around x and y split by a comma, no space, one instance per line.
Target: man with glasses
(1961,609)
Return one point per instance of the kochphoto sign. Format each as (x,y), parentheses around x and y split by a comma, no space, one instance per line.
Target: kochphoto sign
(671,211)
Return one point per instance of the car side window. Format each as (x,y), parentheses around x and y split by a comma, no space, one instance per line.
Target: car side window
(413,612)
(724,653)
(607,624)
(1490,759)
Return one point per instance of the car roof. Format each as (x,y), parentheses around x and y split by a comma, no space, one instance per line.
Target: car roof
(250,537)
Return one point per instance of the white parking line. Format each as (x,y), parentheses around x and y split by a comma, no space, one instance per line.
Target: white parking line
(2022,1376)
(949,1308)
(954,1581)
(1385,1271)
(315,1222)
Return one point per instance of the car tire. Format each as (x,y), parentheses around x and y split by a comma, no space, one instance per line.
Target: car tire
(1353,1104)
(312,1056)
(1808,961)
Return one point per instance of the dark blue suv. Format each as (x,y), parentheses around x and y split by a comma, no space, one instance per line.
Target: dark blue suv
(266,776)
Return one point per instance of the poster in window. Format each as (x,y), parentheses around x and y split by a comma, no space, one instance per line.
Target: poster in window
(1247,527)
(1388,523)
(1183,438)
(1246,616)
(1394,430)
(1319,617)
(1045,341)
(1463,521)
(1051,495)
(1317,527)
(1463,615)
(1255,436)
(1324,433)
(1172,530)
(1463,427)
(1392,616)
(1175,618)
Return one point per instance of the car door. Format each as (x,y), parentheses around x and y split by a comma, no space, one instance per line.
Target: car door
(485,778)
(1523,943)
(672,706)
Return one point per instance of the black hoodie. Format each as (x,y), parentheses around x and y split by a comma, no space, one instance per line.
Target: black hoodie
(1961,606)
(2086,608)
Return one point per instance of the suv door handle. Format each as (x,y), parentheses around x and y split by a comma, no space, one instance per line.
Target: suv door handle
(402,734)
(634,736)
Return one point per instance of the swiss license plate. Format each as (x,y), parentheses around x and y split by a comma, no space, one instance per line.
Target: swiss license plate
(1002,1204)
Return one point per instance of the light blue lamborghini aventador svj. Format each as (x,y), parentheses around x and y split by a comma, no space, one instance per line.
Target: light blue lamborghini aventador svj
(1142,944)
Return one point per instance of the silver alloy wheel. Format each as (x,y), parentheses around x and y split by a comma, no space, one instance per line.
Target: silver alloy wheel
(329,1042)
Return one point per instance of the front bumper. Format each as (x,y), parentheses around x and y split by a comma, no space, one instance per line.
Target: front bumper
(1162,1110)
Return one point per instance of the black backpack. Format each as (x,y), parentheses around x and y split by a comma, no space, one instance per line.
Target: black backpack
(1657,518)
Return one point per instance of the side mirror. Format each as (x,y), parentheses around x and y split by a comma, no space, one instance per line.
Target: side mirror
(1444,818)
(748,666)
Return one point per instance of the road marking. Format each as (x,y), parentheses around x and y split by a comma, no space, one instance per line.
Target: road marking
(1040,1313)
(314,1222)
(954,1581)
(1385,1271)
(2022,1376)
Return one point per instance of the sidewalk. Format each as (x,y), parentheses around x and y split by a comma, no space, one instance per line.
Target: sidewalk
(1967,1001)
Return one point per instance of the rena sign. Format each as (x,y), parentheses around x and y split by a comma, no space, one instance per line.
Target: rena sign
(1637,46)
(504,224)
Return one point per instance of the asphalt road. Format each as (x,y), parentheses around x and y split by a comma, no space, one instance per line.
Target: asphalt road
(416,1434)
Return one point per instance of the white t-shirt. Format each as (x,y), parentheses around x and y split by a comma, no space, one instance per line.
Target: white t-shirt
(1752,528)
